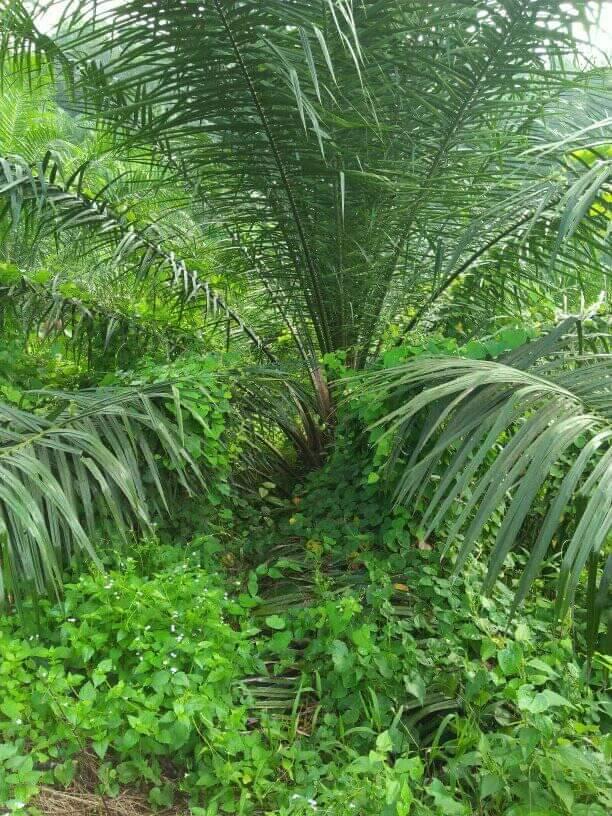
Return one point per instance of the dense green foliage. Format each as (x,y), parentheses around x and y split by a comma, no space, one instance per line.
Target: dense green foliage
(335,672)
(305,408)
(314,179)
(286,655)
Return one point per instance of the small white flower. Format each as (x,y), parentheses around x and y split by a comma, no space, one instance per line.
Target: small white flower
(174,670)
(173,628)
(71,620)
(172,654)
(18,722)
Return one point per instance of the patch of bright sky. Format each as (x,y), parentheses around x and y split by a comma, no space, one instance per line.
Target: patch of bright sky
(600,33)
(598,51)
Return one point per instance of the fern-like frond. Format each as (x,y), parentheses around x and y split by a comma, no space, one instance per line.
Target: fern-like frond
(68,472)
(39,195)
(505,425)
(91,329)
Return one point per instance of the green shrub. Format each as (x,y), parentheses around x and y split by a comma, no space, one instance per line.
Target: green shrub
(144,673)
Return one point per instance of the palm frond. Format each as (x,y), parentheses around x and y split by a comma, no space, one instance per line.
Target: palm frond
(493,433)
(29,121)
(368,155)
(39,193)
(65,472)
(90,329)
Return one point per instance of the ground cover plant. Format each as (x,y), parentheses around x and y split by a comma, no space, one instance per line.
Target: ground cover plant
(305,408)
(299,686)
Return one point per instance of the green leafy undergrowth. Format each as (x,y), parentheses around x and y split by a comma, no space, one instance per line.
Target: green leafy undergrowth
(420,699)
(303,656)
(383,690)
(144,674)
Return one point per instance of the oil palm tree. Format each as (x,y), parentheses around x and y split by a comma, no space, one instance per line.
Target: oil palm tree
(368,165)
